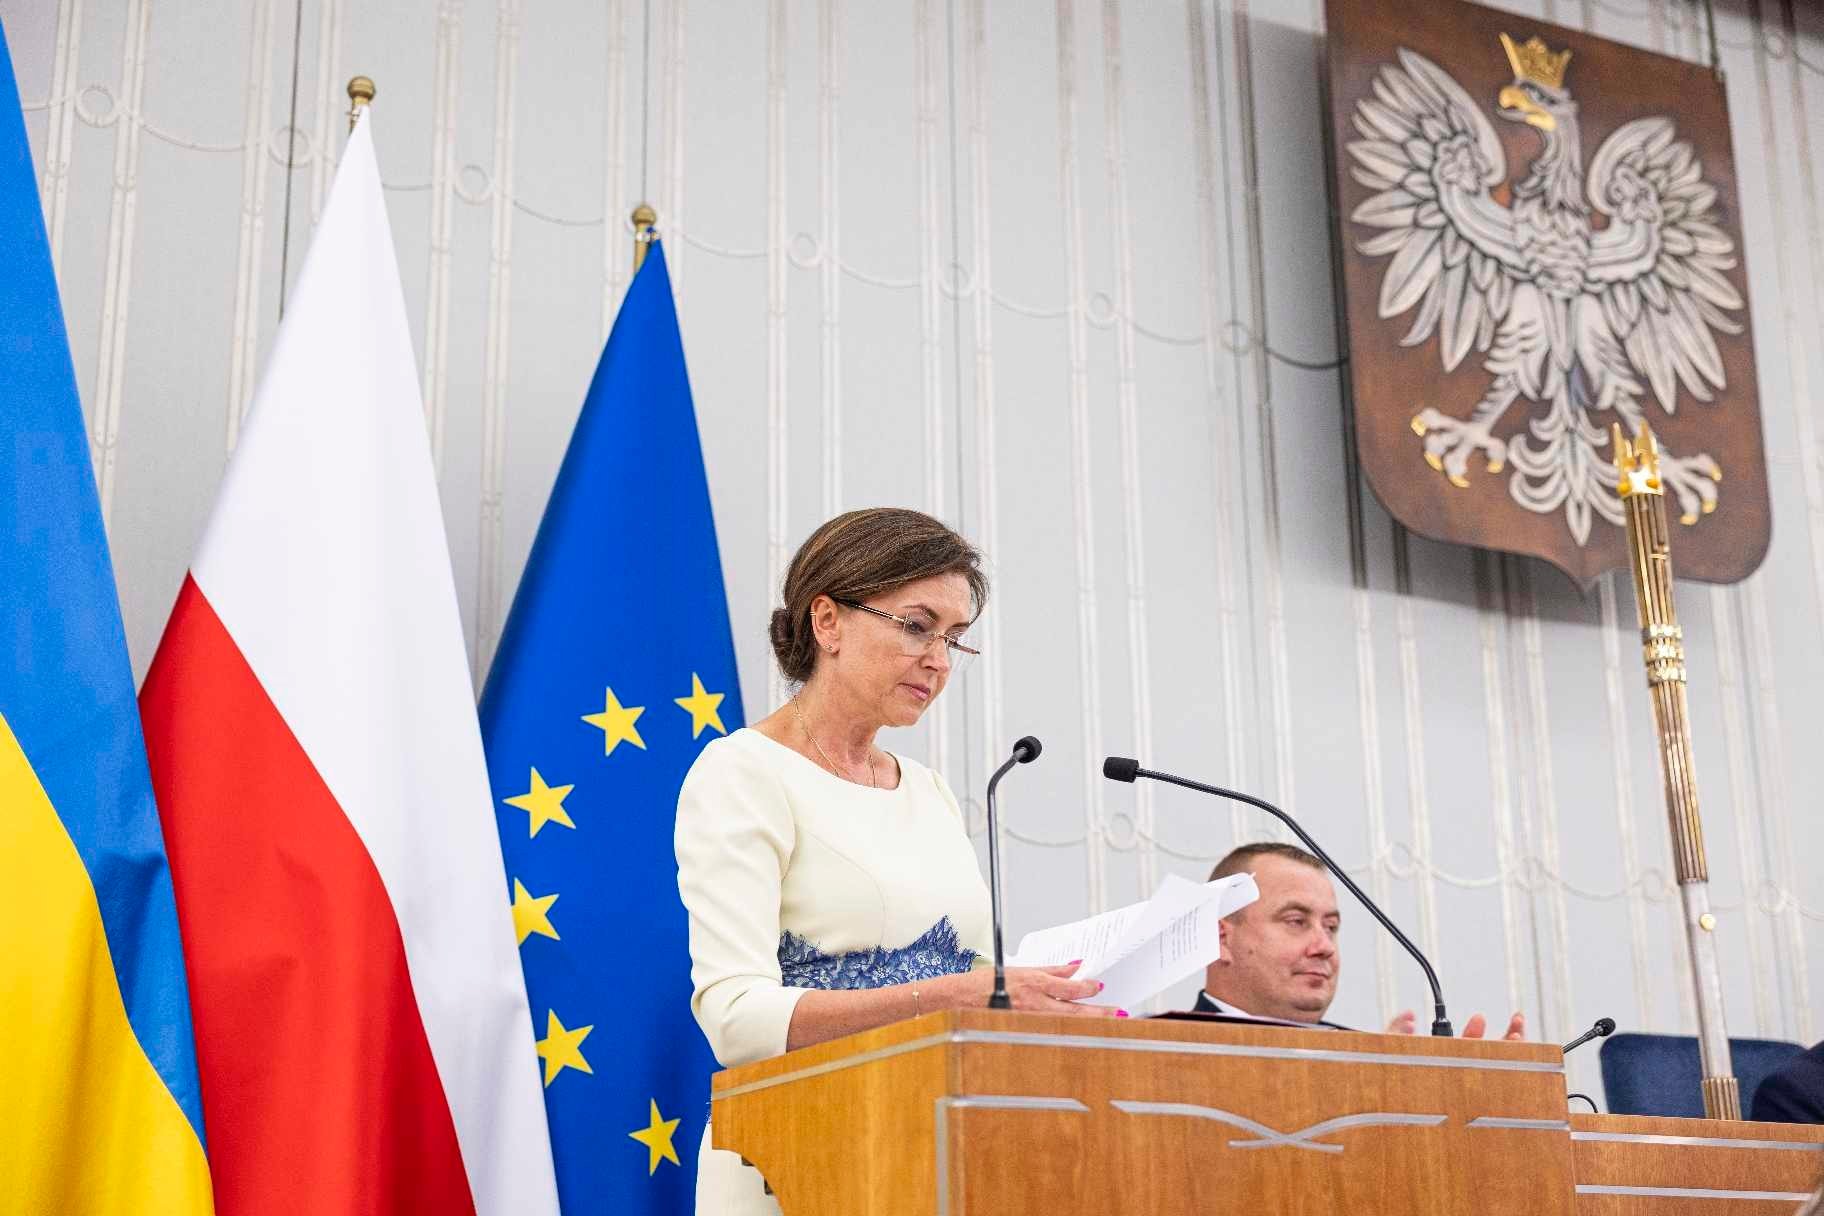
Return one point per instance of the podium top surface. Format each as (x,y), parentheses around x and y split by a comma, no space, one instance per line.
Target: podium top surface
(1145,1037)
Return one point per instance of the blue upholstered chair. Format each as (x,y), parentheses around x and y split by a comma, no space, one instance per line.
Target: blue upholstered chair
(1658,1074)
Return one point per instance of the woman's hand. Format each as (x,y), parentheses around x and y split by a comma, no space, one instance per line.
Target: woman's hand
(1052,990)
(1033,989)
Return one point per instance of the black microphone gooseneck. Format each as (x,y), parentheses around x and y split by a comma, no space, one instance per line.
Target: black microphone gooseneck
(1603,1028)
(1024,752)
(1122,768)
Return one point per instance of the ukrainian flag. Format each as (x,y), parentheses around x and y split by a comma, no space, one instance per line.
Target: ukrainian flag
(615,668)
(97,1073)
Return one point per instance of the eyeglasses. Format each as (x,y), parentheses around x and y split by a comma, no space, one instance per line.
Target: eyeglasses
(916,637)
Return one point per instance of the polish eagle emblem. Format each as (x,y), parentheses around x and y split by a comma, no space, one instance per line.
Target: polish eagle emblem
(1584,319)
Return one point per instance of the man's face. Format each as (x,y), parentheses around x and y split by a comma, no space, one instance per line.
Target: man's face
(1280,957)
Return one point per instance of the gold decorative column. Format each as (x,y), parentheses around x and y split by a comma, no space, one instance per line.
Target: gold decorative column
(1643,498)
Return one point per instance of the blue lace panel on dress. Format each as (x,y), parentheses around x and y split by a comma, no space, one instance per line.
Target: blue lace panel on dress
(937,952)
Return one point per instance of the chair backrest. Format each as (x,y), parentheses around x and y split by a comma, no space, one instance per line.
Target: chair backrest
(1659,1074)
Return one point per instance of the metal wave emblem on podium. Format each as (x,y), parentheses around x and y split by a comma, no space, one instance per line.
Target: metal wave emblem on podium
(1539,237)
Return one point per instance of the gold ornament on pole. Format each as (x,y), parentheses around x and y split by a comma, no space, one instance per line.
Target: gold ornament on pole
(360,92)
(1643,498)
(644,217)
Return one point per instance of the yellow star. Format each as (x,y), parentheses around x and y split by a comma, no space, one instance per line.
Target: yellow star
(543,804)
(561,1048)
(616,723)
(657,1139)
(703,707)
(532,913)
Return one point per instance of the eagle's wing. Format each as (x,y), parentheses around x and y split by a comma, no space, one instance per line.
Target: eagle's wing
(1658,266)
(1431,155)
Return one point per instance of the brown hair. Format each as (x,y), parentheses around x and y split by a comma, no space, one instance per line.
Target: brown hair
(1240,859)
(857,556)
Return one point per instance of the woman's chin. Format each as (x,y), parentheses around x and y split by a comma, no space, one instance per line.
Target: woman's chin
(906,711)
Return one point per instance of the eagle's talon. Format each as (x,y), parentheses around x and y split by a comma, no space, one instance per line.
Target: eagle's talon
(1450,442)
(1693,480)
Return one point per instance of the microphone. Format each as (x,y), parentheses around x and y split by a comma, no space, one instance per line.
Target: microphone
(1603,1028)
(1024,752)
(1123,768)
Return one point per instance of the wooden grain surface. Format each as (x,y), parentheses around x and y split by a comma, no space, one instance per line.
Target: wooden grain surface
(1724,1161)
(866,1138)
(977,1111)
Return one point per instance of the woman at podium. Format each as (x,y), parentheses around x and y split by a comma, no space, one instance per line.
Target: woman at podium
(831,885)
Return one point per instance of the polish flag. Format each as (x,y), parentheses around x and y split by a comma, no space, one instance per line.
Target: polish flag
(361,1023)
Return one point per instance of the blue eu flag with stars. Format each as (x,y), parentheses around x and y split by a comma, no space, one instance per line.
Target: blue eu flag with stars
(615,667)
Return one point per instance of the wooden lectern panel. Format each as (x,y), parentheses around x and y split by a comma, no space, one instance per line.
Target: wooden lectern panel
(978,1111)
(1630,1165)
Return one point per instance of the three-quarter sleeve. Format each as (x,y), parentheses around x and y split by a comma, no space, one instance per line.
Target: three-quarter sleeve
(734,840)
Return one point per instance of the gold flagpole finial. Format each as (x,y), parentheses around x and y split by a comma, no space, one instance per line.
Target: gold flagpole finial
(360,92)
(644,217)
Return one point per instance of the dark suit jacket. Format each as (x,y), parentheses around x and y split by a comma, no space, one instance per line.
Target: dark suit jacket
(1206,1005)
(1794,1094)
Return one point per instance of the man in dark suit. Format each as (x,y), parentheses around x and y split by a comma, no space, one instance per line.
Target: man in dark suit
(1794,1094)
(1281,955)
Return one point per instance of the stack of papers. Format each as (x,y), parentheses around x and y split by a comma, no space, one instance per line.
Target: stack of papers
(1144,948)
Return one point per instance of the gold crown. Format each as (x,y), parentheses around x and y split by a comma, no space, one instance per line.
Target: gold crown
(1535,61)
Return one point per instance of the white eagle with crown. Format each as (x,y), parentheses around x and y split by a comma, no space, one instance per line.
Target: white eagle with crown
(1574,318)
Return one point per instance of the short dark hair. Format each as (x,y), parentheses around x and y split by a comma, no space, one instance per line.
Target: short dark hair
(1240,859)
(857,556)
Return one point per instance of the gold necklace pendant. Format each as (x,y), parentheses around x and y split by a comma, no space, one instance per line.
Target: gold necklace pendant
(798,712)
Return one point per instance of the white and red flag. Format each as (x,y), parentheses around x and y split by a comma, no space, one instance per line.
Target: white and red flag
(361,1024)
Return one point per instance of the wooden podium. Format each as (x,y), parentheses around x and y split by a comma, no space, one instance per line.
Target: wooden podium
(980,1111)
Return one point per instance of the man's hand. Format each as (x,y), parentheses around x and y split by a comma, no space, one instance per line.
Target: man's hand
(1404,1022)
(1407,1022)
(1477,1027)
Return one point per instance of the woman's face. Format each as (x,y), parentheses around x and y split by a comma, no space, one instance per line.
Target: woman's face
(870,664)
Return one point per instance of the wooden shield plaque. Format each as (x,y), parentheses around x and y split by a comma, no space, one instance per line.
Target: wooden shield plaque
(1541,237)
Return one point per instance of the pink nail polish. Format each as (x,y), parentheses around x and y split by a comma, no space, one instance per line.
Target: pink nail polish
(1075,962)
(1100,985)
(1120,1013)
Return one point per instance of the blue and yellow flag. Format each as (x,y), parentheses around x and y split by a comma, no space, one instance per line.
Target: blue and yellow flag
(615,668)
(97,1070)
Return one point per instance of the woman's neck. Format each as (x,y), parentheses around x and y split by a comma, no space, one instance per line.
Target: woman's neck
(837,727)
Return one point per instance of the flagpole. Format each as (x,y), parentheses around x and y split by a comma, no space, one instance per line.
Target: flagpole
(360,92)
(644,217)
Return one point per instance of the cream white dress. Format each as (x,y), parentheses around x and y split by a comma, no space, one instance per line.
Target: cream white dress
(795,879)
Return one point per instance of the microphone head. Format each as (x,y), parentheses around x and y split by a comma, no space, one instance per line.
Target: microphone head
(1027,750)
(1605,1027)
(1120,768)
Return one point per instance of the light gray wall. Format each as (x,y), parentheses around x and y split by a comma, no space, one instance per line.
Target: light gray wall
(1127,395)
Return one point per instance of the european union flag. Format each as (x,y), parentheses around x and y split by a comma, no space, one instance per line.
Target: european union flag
(615,668)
